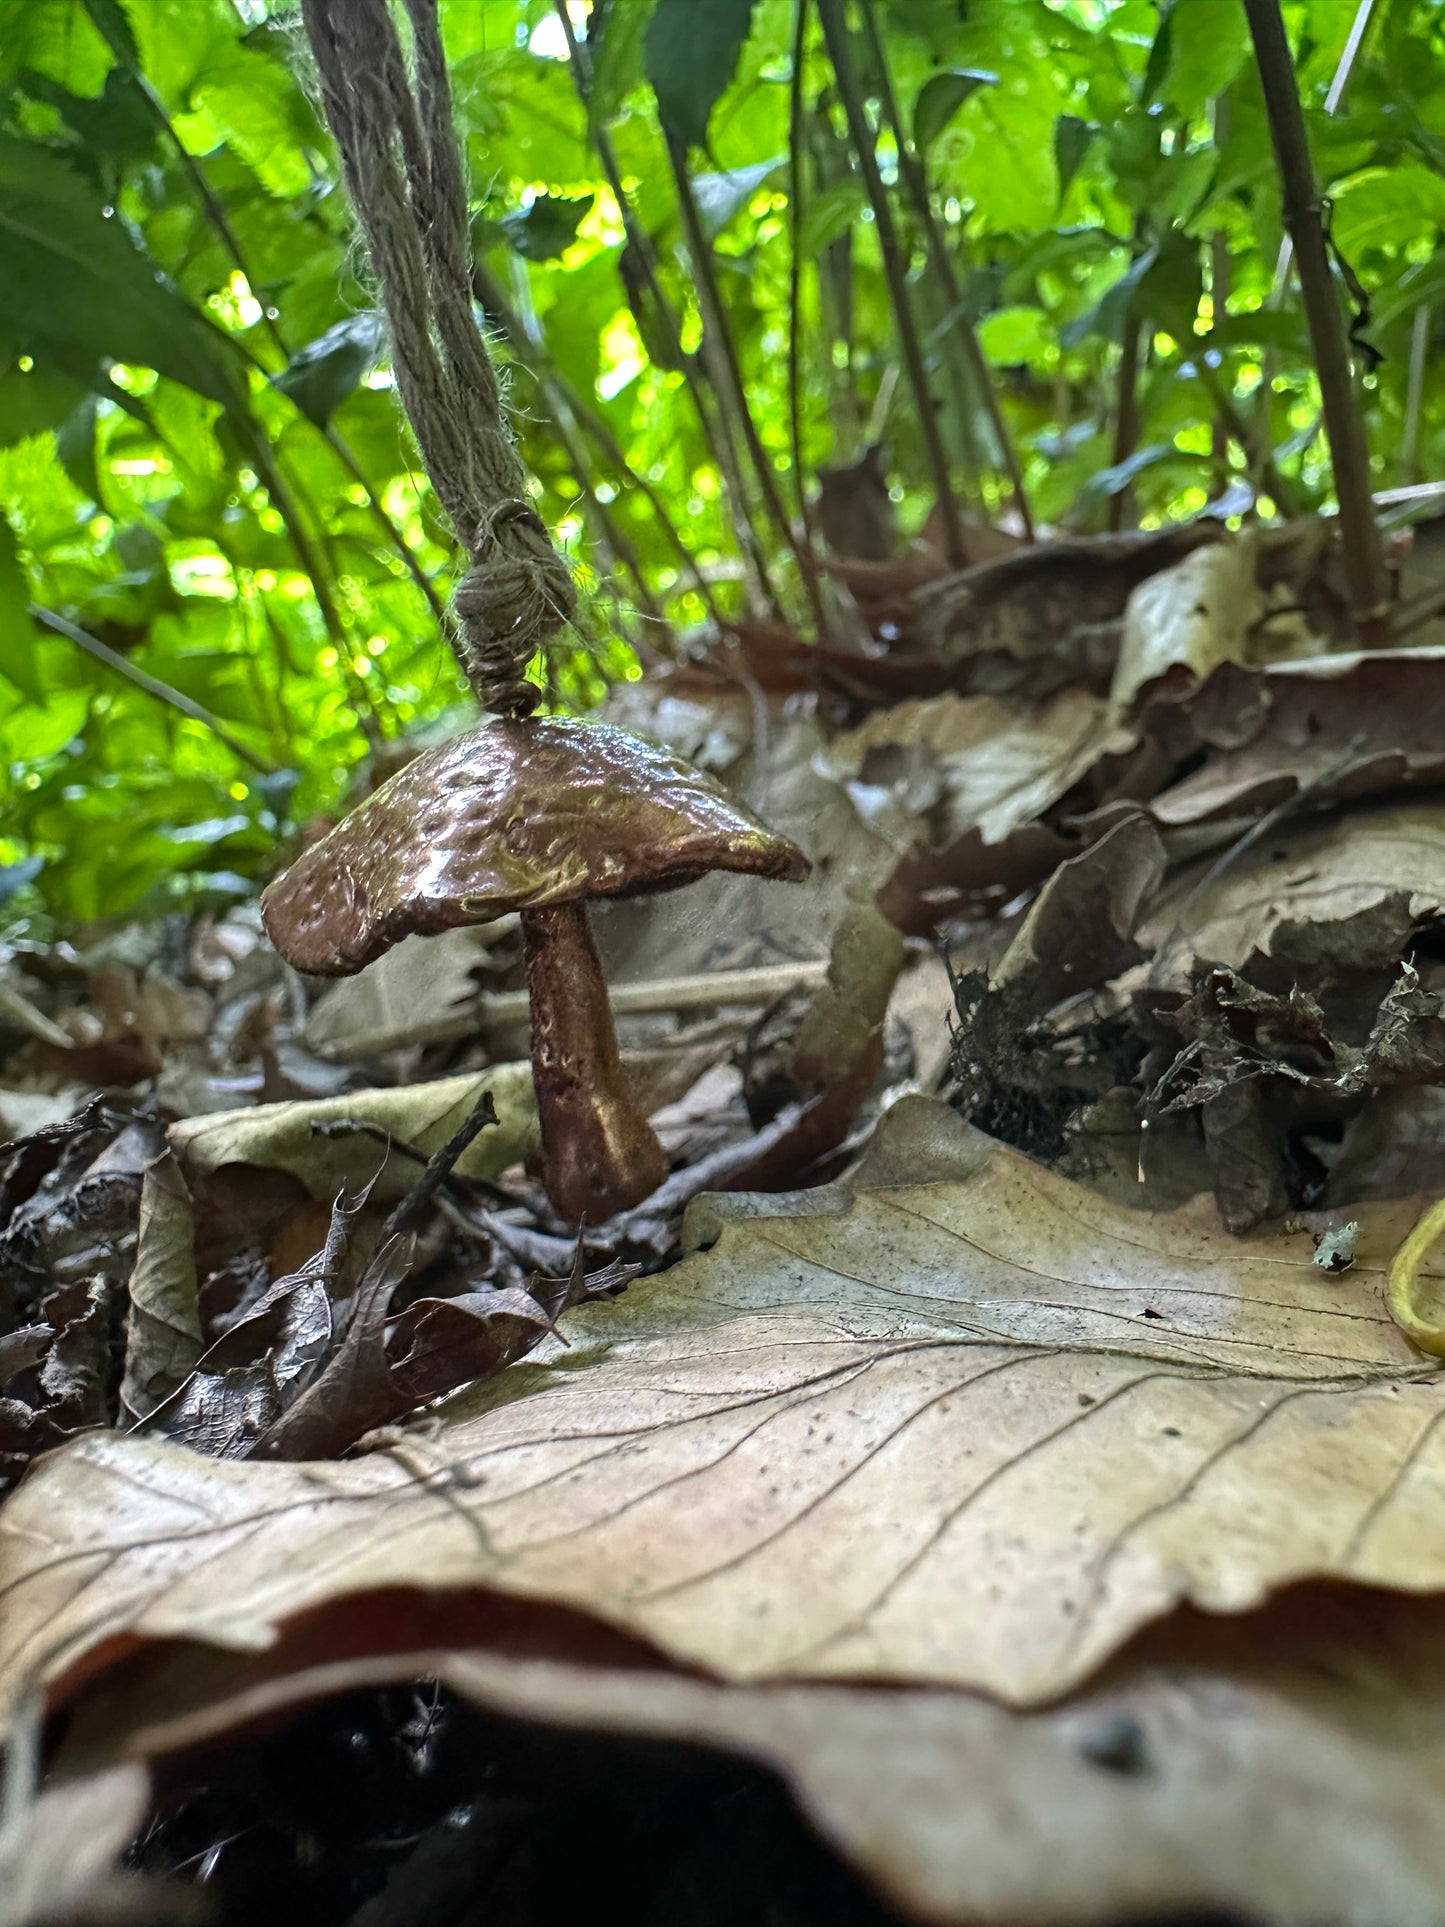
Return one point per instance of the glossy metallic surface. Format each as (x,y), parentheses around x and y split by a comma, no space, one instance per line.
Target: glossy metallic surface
(510,816)
(599,1153)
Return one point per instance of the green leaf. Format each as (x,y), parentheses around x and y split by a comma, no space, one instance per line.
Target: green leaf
(1115,479)
(1208,44)
(323,374)
(34,399)
(939,99)
(1071,142)
(31,734)
(1162,285)
(548,227)
(1420,286)
(77,289)
(17,632)
(54,38)
(110,22)
(721,196)
(75,446)
(690,52)
(832,213)
(617,57)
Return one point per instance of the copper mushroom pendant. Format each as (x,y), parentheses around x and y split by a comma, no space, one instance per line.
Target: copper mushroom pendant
(538,817)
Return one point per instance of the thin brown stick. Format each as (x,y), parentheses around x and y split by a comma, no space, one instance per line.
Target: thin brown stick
(152,685)
(835,34)
(1126,414)
(718,330)
(795,266)
(560,394)
(1365,571)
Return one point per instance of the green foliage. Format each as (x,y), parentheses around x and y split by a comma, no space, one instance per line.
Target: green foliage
(201,462)
(939,99)
(691,54)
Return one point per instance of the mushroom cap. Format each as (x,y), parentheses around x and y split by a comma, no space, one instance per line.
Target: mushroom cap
(515,815)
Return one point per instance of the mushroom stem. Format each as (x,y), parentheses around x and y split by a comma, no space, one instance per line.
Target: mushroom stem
(599,1153)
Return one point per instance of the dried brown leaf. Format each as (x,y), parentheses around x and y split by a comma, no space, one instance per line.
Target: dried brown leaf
(1288,1766)
(55,1849)
(1381,858)
(163,1328)
(968,1423)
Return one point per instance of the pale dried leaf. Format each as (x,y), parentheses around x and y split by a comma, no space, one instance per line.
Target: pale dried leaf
(54,1851)
(1317,873)
(969,762)
(1141,1797)
(420,990)
(971,1424)
(1194,616)
(163,1329)
(309,1138)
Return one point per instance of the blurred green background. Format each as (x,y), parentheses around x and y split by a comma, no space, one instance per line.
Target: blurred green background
(206,488)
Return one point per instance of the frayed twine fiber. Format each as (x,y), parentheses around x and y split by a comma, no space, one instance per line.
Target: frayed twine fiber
(403,171)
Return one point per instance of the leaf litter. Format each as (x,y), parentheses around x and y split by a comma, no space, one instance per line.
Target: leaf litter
(979,1415)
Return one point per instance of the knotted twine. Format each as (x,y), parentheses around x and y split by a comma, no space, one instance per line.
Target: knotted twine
(403,171)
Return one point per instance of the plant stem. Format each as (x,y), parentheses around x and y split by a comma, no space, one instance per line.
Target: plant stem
(715,438)
(835,34)
(1219,278)
(216,214)
(795,266)
(1126,413)
(1414,395)
(718,330)
(914,178)
(1364,559)
(1258,461)
(152,685)
(560,395)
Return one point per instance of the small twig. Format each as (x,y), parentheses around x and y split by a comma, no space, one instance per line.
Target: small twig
(1354,40)
(152,685)
(439,1167)
(1415,395)
(718,334)
(1126,406)
(709,1173)
(1303,213)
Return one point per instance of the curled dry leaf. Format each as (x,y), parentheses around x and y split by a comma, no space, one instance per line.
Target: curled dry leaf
(1192,616)
(311,1138)
(56,1849)
(163,1329)
(1347,726)
(1139,1797)
(1022,604)
(1324,873)
(957,786)
(963,1423)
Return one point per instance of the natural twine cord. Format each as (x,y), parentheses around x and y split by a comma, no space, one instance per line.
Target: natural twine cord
(403,171)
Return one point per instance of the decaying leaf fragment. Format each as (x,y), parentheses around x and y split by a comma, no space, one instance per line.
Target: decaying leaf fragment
(963,1422)
(1142,1796)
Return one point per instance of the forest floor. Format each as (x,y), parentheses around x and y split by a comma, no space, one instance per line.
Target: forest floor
(999,1464)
